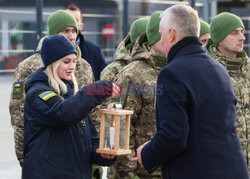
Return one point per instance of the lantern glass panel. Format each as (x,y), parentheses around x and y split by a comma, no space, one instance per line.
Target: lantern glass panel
(110,126)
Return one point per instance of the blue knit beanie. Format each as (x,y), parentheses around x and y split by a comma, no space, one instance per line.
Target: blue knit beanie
(56,47)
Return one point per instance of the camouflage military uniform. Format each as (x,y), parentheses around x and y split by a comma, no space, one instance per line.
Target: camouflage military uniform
(83,74)
(141,74)
(238,69)
(122,58)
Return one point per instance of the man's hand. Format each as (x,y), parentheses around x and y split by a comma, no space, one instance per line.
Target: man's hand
(138,151)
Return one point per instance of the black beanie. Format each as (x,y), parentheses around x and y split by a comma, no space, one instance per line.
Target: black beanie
(55,47)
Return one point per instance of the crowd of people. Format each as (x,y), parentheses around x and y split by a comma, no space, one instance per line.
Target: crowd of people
(187,82)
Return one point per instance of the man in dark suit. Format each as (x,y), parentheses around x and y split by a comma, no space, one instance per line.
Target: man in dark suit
(195,110)
(90,52)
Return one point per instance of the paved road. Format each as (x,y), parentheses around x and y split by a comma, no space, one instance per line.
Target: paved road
(9,166)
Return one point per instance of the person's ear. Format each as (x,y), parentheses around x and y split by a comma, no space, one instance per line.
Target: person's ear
(220,44)
(172,35)
(81,26)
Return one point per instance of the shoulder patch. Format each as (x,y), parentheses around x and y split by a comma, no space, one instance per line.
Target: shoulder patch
(45,96)
(17,84)
(84,123)
(17,92)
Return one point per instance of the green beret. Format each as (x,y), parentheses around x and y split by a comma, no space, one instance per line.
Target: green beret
(204,27)
(152,30)
(137,28)
(59,20)
(222,25)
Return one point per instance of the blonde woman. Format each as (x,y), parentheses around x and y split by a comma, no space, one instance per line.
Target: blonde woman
(60,139)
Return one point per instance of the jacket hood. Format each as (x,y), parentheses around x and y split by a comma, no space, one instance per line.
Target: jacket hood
(39,46)
(239,62)
(142,51)
(123,50)
(79,53)
(36,77)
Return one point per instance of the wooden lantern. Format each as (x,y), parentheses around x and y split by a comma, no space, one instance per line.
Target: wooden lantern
(115,126)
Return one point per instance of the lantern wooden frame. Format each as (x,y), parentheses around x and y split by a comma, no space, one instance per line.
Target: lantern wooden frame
(116,117)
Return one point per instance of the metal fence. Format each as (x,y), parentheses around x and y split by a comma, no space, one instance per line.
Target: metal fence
(18,28)
(18,34)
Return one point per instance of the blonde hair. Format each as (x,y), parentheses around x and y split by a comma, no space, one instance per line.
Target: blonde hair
(54,80)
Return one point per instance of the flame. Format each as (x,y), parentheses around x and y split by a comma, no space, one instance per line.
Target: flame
(113,123)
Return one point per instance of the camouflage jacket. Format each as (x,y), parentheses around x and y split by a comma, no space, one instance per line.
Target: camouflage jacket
(122,58)
(141,75)
(239,70)
(83,74)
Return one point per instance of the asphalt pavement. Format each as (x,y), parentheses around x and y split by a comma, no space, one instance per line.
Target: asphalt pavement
(9,166)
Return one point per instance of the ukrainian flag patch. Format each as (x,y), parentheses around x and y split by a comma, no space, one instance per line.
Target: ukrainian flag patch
(17,84)
(17,92)
(47,95)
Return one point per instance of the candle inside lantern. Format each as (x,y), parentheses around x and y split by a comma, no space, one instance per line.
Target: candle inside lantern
(112,135)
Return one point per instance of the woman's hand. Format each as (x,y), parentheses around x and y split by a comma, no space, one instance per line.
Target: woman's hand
(115,90)
(108,156)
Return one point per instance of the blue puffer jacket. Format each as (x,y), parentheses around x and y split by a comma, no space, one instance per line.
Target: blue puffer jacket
(60,139)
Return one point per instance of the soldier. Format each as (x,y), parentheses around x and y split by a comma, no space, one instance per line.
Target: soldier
(122,58)
(91,52)
(226,47)
(60,22)
(123,52)
(204,32)
(140,77)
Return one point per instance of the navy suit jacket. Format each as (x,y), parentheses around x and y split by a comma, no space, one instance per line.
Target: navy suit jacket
(196,122)
(93,55)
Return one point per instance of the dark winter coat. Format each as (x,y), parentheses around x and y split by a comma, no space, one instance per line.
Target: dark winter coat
(60,140)
(93,55)
(196,121)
